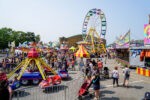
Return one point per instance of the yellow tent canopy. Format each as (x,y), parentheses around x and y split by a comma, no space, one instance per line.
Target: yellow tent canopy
(82,52)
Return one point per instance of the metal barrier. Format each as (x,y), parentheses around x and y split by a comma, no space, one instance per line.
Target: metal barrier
(68,90)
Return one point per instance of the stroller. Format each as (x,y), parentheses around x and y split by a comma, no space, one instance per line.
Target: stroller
(84,89)
(106,73)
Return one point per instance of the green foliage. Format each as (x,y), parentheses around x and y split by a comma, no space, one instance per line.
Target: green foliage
(9,35)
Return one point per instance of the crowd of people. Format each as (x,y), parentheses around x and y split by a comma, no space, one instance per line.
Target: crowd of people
(93,68)
(61,61)
(10,62)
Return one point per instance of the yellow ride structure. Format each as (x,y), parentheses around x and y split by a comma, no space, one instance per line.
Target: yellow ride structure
(33,62)
(94,30)
(95,47)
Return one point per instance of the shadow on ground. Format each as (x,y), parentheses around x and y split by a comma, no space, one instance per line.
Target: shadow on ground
(55,89)
(111,98)
(136,87)
(67,79)
(106,92)
(17,94)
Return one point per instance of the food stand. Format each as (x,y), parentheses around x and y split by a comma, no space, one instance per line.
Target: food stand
(122,56)
(145,54)
(144,70)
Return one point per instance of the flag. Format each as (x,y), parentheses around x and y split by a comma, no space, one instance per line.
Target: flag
(13,44)
(25,44)
(20,45)
(124,41)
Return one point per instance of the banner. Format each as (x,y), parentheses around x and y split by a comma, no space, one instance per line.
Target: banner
(147,34)
(123,41)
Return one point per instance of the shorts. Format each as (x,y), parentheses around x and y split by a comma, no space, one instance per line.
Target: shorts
(96,87)
(126,78)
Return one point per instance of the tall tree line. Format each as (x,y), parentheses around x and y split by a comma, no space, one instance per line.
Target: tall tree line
(8,35)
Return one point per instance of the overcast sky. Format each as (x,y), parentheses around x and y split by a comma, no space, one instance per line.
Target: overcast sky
(56,18)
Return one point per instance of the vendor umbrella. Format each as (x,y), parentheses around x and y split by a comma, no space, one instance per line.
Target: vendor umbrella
(82,52)
(72,48)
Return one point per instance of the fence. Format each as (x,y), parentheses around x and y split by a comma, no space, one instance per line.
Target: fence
(68,90)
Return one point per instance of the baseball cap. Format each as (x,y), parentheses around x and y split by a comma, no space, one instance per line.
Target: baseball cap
(147,95)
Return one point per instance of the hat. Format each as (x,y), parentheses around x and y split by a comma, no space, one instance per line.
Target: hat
(147,95)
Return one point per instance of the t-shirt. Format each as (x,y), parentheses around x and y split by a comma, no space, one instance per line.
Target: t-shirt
(126,72)
(99,64)
(81,64)
(115,73)
(72,62)
(97,78)
(91,66)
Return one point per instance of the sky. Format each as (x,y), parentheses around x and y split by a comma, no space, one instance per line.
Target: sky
(52,19)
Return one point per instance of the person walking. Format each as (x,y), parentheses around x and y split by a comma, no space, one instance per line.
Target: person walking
(87,70)
(73,64)
(81,65)
(91,66)
(115,76)
(126,72)
(96,82)
(100,65)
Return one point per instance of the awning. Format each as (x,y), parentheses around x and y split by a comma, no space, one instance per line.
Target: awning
(82,52)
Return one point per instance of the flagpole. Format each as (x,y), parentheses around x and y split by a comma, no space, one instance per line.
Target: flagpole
(129,47)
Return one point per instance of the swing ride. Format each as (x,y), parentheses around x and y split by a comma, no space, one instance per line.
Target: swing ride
(31,69)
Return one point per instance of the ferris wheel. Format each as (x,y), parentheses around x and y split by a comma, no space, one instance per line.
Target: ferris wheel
(94,25)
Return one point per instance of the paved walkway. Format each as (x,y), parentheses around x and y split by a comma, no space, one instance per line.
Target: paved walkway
(138,86)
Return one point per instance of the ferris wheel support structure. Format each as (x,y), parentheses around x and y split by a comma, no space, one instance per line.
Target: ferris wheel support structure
(94,30)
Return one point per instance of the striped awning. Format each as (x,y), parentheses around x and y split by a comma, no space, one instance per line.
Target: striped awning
(82,52)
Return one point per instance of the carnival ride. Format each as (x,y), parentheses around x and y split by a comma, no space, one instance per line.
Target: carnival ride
(94,30)
(31,69)
(50,82)
(63,74)
(14,85)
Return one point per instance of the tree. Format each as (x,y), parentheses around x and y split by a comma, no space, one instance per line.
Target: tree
(9,35)
(4,37)
(37,38)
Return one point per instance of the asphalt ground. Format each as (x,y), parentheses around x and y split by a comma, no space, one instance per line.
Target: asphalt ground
(138,85)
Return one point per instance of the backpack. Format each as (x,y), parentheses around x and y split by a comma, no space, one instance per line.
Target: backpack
(127,74)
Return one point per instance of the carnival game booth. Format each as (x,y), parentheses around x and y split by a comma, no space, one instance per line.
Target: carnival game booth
(145,56)
(134,57)
(122,56)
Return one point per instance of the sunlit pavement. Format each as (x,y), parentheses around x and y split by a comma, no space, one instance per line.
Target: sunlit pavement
(138,85)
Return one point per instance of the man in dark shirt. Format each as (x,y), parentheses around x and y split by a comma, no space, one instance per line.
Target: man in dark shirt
(96,82)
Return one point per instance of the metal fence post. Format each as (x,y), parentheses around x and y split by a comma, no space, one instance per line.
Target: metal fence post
(64,92)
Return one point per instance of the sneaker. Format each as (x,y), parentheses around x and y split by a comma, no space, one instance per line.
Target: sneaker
(96,98)
(123,85)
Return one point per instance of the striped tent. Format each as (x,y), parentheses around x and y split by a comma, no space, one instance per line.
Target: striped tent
(82,52)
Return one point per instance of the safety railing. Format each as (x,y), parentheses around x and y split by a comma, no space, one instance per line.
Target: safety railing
(68,90)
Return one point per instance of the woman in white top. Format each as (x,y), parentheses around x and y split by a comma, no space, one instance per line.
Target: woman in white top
(115,75)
